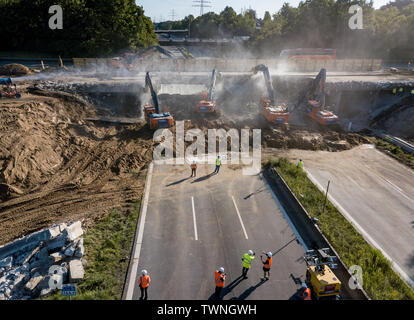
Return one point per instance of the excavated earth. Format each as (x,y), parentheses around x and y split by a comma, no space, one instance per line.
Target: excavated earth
(56,167)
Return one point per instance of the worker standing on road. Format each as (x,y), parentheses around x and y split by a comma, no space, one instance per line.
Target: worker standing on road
(144,281)
(218,164)
(401,90)
(266,265)
(394,91)
(306,294)
(412,93)
(300,164)
(194,168)
(220,281)
(246,262)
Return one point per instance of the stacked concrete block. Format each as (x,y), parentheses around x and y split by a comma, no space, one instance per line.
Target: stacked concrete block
(28,264)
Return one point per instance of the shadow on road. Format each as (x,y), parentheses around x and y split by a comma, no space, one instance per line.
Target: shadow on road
(227,289)
(249,291)
(203,178)
(177,182)
(284,246)
(261,189)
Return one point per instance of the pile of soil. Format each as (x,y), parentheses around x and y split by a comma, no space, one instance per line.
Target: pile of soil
(54,166)
(14,69)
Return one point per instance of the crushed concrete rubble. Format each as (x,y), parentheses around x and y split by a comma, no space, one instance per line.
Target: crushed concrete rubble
(27,264)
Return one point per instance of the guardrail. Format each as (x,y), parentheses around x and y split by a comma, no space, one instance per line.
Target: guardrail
(397,141)
(310,233)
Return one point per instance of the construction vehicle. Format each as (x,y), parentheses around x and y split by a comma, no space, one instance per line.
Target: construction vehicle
(8,89)
(273,114)
(320,278)
(154,118)
(208,103)
(315,101)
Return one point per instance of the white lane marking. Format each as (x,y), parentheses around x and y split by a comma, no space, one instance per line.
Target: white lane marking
(398,189)
(138,244)
(194,219)
(241,221)
(295,231)
(367,237)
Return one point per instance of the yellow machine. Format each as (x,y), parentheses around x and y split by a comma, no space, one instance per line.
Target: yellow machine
(320,278)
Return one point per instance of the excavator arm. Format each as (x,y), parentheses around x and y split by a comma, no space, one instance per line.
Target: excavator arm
(212,85)
(148,84)
(268,80)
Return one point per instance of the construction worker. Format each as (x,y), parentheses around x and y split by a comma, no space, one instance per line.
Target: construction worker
(144,282)
(246,262)
(401,90)
(300,164)
(412,93)
(306,293)
(266,265)
(394,91)
(218,164)
(194,168)
(220,281)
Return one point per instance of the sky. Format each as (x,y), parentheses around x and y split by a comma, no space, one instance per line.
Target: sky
(162,10)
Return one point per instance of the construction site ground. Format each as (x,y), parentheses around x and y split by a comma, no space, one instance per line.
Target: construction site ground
(373,191)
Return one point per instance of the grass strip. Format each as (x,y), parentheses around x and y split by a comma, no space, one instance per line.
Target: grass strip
(107,248)
(380,281)
(396,152)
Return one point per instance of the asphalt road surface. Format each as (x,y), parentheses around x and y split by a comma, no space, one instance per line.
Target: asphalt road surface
(195,225)
(374,191)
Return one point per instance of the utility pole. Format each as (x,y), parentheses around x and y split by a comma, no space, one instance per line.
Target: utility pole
(202,4)
(172,14)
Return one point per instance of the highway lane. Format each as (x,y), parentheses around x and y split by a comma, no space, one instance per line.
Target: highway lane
(195,225)
(375,192)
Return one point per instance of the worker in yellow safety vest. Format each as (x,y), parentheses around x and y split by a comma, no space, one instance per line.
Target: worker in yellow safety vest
(300,164)
(218,164)
(394,91)
(246,262)
(412,93)
(143,282)
(401,90)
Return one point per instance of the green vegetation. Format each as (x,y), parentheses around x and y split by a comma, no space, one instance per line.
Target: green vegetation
(90,27)
(395,152)
(107,246)
(379,279)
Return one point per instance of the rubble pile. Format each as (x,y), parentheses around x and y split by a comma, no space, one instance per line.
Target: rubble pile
(28,265)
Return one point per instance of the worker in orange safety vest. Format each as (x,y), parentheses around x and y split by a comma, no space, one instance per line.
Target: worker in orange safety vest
(266,265)
(144,282)
(306,294)
(220,281)
(194,168)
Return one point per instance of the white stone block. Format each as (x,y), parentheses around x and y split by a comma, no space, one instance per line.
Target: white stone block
(33,282)
(76,272)
(74,231)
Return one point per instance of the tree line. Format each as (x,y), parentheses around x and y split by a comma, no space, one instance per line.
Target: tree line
(90,27)
(387,32)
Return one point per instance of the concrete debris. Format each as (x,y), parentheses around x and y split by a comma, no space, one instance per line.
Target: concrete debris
(26,263)
(76,272)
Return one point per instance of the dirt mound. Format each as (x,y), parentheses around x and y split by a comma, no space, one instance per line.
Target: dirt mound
(14,69)
(54,166)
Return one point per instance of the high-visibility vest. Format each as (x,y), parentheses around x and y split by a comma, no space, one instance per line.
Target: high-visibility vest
(144,281)
(300,164)
(412,92)
(268,263)
(394,91)
(306,296)
(194,166)
(219,279)
(401,90)
(218,162)
(247,260)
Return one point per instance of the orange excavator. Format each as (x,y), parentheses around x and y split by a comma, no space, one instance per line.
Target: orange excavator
(208,103)
(315,102)
(154,118)
(273,114)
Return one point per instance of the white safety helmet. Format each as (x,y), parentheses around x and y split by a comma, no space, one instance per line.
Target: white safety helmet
(269,254)
(250,252)
(144,272)
(304,285)
(221,269)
